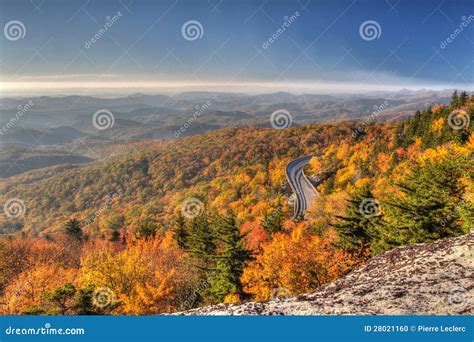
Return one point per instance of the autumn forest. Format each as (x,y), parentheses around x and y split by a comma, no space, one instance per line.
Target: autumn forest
(206,219)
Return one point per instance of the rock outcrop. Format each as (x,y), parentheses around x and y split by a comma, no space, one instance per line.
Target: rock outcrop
(421,279)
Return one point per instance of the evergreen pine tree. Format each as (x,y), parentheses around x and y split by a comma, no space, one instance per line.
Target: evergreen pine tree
(68,299)
(463,98)
(432,194)
(358,227)
(73,229)
(60,298)
(200,242)
(146,229)
(114,236)
(329,186)
(455,99)
(180,233)
(414,128)
(84,303)
(230,259)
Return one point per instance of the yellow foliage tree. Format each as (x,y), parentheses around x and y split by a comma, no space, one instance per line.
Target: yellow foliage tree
(298,262)
(437,125)
(143,275)
(383,160)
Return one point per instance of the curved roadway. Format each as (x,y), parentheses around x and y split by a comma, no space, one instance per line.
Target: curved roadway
(305,191)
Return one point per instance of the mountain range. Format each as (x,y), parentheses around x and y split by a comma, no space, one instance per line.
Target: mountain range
(65,124)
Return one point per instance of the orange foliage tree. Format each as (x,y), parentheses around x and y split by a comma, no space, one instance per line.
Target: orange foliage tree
(297,262)
(26,291)
(144,276)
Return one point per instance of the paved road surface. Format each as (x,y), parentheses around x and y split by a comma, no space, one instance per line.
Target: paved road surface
(301,186)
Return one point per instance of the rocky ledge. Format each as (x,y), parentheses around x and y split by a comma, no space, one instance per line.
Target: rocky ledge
(421,279)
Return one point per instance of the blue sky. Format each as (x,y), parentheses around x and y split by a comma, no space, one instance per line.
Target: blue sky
(321,50)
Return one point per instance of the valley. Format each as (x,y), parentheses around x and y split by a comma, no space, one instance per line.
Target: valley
(65,124)
(166,225)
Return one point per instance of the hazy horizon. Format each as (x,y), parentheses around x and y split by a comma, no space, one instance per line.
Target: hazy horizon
(111,47)
(244,89)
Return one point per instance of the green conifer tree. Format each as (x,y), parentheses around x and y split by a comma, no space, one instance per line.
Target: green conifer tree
(432,195)
(181,234)
(359,226)
(231,258)
(455,99)
(200,242)
(147,229)
(73,229)
(463,98)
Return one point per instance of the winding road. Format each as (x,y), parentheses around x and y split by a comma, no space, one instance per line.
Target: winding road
(303,189)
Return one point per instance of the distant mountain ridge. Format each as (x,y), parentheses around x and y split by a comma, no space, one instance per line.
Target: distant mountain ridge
(59,121)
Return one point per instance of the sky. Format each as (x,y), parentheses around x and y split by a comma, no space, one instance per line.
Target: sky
(300,46)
